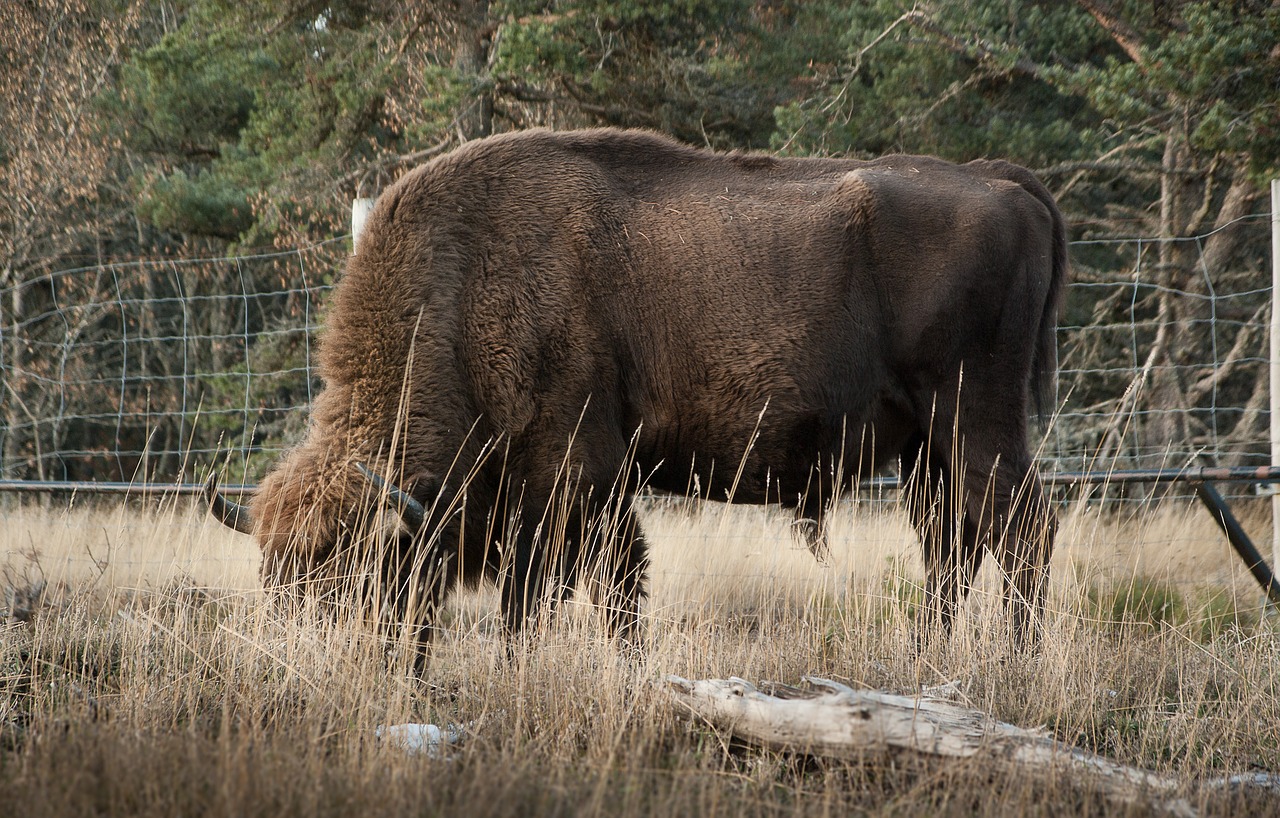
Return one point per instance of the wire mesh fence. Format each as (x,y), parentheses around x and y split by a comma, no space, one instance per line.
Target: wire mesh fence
(152,370)
(145,370)
(1164,356)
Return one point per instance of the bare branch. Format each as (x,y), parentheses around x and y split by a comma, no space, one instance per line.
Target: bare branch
(1242,346)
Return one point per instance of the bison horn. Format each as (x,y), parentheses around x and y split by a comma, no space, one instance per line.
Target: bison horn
(410,510)
(229,513)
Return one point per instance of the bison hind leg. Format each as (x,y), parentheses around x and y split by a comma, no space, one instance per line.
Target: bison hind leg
(1024,552)
(951,542)
(813,534)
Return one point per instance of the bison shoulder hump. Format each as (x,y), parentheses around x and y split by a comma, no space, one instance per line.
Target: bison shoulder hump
(854,196)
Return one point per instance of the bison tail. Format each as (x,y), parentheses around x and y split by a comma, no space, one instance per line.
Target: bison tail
(1044,377)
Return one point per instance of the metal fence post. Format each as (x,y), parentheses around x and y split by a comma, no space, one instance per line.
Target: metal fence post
(360,209)
(1275,365)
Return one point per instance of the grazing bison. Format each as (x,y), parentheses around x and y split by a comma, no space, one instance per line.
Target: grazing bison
(538,324)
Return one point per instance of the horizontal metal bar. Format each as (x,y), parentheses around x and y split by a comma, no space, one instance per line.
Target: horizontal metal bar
(1200,474)
(129,489)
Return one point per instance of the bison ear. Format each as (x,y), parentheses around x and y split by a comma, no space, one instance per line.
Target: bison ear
(425,486)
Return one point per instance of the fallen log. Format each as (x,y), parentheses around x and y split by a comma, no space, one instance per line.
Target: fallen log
(832,720)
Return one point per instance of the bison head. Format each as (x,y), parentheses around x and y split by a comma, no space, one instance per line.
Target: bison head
(341,534)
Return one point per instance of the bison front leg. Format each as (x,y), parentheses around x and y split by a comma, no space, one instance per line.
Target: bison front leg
(810,510)
(415,580)
(523,578)
(620,572)
(811,527)
(578,525)
(542,560)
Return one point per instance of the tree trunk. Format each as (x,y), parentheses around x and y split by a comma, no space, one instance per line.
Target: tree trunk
(11,361)
(471,61)
(1167,428)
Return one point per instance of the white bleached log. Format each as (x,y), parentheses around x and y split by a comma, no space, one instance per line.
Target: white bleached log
(835,721)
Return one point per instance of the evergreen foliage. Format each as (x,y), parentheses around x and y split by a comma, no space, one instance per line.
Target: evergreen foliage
(132,129)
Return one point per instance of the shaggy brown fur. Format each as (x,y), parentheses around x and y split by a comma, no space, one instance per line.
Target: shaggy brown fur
(539,323)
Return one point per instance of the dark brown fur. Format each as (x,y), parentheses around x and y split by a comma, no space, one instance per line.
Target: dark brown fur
(566,315)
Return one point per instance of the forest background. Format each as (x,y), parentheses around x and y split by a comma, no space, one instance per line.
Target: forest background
(219,128)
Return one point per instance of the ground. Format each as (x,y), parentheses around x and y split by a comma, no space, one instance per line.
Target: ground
(152,678)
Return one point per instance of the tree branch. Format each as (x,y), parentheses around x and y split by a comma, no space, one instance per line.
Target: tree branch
(1242,347)
(1124,34)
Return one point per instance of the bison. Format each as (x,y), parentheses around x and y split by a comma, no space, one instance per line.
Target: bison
(538,325)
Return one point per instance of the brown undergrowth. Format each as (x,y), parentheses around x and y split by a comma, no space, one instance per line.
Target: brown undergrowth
(152,678)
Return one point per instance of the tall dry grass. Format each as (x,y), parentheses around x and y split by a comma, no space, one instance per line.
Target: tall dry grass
(153,679)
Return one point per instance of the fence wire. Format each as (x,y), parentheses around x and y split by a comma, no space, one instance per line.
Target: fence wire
(148,370)
(153,370)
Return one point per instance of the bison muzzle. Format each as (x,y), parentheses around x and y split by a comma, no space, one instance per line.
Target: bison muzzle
(540,324)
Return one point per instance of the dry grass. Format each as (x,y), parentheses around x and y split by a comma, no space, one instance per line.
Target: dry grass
(153,679)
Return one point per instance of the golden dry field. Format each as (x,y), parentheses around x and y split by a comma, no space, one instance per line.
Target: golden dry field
(152,678)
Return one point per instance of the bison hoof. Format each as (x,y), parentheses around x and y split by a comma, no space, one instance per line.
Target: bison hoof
(814,537)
